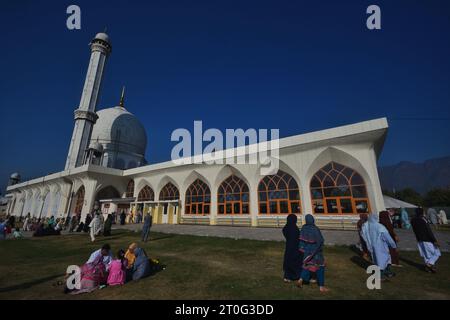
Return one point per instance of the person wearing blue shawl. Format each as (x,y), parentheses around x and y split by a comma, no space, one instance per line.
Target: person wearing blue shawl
(405,219)
(141,266)
(311,246)
(292,264)
(378,242)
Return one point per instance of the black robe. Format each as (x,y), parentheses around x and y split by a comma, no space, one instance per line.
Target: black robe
(292,264)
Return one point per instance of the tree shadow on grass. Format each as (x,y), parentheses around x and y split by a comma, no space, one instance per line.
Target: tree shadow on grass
(414,264)
(29,284)
(358,259)
(161,237)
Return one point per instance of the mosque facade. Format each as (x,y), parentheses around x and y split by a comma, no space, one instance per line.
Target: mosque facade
(330,173)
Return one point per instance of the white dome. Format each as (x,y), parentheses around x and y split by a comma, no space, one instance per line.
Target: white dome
(120,131)
(15,175)
(102,36)
(95,145)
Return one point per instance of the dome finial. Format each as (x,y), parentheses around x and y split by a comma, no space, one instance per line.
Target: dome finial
(122,98)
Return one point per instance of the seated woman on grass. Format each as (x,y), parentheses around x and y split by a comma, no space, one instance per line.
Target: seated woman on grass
(311,245)
(141,267)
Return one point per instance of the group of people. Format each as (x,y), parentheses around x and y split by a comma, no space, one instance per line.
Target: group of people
(303,256)
(95,224)
(436,218)
(102,269)
(40,227)
(378,241)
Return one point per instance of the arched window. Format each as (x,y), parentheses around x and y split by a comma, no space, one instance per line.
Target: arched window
(169,192)
(79,200)
(278,194)
(233,196)
(337,189)
(130,189)
(198,198)
(146,194)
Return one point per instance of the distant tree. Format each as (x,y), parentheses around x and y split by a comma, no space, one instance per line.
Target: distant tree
(409,195)
(437,198)
(389,193)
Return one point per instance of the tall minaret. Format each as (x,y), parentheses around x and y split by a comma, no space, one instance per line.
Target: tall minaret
(85,115)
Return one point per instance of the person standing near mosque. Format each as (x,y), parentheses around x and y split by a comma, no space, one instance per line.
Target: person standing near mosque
(378,242)
(311,246)
(26,224)
(426,241)
(432,216)
(122,218)
(443,217)
(385,220)
(95,226)
(292,263)
(108,225)
(406,224)
(146,227)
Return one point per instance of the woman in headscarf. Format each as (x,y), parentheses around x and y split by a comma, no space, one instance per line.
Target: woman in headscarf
(362,219)
(141,268)
(427,243)
(311,246)
(107,226)
(292,264)
(93,275)
(386,221)
(378,242)
(130,256)
(405,219)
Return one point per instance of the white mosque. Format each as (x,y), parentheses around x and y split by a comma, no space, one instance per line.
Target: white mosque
(330,173)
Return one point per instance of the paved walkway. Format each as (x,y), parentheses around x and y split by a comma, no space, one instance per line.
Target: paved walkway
(332,237)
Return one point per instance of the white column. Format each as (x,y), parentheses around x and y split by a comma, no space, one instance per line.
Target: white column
(89,198)
(213,207)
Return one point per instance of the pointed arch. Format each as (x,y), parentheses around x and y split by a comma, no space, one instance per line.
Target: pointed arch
(279,194)
(338,189)
(169,192)
(146,194)
(198,198)
(233,196)
(192,177)
(226,171)
(108,192)
(130,189)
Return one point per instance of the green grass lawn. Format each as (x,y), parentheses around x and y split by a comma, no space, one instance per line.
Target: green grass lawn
(206,268)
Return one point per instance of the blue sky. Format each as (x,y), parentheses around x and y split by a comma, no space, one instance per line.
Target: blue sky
(298,66)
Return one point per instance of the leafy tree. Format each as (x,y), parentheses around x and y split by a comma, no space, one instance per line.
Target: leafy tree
(409,195)
(437,198)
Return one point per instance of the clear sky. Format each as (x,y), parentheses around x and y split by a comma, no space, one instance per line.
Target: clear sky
(298,66)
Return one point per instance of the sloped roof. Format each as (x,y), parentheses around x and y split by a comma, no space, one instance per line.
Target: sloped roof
(390,202)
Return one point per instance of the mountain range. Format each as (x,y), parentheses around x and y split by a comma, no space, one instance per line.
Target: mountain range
(422,177)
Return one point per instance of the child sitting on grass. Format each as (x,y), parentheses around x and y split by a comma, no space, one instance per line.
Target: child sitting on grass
(117,271)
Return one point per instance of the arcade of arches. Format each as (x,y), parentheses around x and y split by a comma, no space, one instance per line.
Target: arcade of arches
(335,189)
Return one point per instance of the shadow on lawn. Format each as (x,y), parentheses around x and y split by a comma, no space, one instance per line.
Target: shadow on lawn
(413,264)
(27,285)
(358,259)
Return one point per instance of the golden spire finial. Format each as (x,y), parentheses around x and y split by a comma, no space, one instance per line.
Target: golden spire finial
(122,98)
